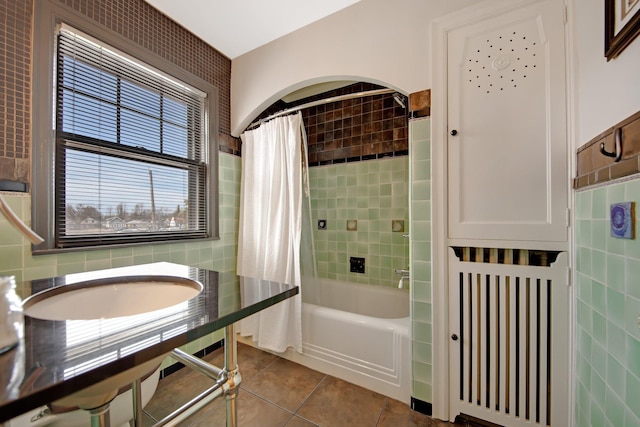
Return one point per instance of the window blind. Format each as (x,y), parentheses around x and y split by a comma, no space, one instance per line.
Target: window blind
(131,149)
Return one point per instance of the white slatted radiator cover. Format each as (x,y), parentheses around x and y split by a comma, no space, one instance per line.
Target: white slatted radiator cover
(509,342)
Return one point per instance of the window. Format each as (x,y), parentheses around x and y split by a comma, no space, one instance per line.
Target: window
(132,158)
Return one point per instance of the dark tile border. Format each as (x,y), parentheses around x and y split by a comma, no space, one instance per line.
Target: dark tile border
(594,168)
(17,186)
(360,158)
(228,150)
(426,112)
(421,406)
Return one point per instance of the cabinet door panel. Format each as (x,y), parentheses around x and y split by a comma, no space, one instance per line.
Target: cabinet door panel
(506,99)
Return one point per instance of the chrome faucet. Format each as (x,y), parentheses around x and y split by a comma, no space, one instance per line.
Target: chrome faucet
(404,274)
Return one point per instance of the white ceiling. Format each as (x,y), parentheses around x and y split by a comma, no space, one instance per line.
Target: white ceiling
(235,27)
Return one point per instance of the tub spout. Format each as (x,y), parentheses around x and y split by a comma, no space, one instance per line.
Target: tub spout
(401,282)
(404,274)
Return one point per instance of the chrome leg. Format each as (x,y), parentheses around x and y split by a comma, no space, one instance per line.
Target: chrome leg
(231,365)
(136,394)
(100,416)
(226,385)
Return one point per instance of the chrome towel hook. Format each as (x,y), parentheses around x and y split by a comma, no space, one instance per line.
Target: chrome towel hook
(618,146)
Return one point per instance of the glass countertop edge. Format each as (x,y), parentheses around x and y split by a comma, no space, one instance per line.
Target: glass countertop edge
(11,408)
(257,307)
(60,390)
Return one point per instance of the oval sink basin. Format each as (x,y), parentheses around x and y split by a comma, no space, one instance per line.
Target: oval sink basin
(110,298)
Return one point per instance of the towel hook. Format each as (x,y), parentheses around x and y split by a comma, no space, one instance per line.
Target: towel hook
(618,146)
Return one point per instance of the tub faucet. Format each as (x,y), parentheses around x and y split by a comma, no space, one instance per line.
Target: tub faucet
(404,274)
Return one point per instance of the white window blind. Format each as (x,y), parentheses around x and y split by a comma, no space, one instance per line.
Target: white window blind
(131,149)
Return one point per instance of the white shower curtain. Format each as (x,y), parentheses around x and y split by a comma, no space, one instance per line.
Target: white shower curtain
(270,228)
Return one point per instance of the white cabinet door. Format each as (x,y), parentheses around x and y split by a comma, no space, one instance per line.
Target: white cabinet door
(507,148)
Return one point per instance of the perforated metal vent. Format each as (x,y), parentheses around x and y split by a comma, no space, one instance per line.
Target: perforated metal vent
(503,62)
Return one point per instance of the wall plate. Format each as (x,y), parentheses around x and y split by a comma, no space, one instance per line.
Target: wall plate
(622,220)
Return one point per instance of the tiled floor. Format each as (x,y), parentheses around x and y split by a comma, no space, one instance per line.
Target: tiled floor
(276,392)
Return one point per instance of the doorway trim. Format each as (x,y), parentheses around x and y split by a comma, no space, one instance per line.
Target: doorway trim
(440,29)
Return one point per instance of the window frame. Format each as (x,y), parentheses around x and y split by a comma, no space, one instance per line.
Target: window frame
(48,15)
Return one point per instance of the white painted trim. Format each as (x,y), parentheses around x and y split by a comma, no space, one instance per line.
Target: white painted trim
(572,141)
(439,225)
(472,14)
(440,28)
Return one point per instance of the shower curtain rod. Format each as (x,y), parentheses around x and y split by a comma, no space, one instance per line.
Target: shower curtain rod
(320,102)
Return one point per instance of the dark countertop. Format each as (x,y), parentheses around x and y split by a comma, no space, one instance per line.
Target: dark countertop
(62,357)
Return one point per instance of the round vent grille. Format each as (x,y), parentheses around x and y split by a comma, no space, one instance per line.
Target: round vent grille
(502,62)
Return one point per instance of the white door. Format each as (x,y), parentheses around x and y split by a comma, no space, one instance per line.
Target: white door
(509,346)
(507,188)
(507,147)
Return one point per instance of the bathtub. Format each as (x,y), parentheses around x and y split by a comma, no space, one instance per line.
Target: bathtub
(359,333)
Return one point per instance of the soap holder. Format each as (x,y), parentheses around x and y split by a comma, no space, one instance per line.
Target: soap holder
(397,225)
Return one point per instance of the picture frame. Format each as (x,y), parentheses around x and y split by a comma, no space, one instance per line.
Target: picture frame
(621,25)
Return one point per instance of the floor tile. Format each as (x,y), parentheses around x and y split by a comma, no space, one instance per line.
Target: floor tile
(176,390)
(336,403)
(251,360)
(284,383)
(252,412)
(296,421)
(278,393)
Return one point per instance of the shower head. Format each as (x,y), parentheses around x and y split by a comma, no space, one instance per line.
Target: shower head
(399,99)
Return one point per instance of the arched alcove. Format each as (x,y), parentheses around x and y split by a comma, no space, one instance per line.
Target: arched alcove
(312,86)
(347,121)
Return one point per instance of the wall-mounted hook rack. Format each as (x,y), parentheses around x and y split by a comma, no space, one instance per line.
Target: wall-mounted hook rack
(618,146)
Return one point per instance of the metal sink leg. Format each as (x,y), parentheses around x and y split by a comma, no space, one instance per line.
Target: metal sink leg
(233,382)
(100,416)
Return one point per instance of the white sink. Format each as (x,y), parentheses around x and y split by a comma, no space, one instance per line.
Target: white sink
(109,298)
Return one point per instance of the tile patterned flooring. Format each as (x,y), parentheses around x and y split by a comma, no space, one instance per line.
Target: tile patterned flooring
(276,392)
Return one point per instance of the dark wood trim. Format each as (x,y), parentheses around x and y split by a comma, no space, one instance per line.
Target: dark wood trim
(594,168)
(614,44)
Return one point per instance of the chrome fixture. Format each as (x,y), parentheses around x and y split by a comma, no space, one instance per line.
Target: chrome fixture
(404,274)
(226,383)
(399,99)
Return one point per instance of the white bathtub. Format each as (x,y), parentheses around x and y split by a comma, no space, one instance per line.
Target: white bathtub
(359,333)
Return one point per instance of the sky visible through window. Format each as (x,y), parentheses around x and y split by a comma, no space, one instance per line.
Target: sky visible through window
(110,192)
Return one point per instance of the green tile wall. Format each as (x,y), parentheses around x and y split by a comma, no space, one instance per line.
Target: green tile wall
(420,203)
(607,310)
(220,255)
(374,193)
